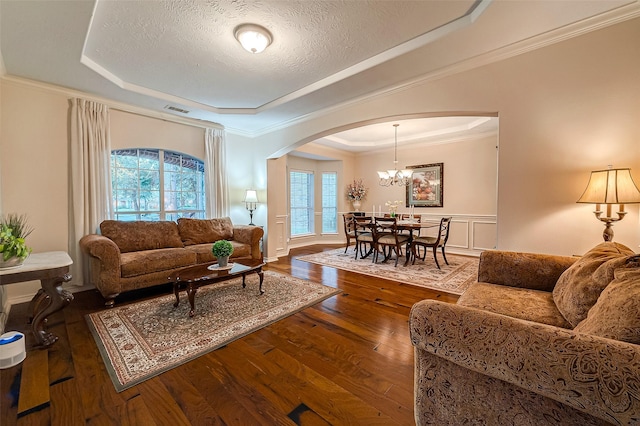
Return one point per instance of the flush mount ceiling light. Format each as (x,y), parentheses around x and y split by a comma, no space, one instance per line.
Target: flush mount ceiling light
(253,38)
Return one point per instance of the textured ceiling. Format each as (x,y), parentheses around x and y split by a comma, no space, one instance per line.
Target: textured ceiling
(182,53)
(311,40)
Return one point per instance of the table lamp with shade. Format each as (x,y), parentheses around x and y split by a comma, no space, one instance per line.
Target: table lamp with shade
(610,186)
(250,202)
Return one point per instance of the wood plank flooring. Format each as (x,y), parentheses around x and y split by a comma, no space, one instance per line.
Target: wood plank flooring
(346,360)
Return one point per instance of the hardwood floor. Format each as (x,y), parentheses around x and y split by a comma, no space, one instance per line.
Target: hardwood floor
(346,360)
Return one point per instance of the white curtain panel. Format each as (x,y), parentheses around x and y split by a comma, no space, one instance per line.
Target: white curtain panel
(90,177)
(215,173)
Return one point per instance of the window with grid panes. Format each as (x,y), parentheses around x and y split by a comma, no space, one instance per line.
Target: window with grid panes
(329,202)
(153,184)
(301,202)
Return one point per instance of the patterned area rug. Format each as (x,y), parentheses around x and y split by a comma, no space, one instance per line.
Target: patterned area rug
(454,278)
(143,339)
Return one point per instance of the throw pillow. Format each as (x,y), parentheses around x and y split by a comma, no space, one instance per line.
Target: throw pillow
(201,231)
(141,235)
(616,313)
(579,287)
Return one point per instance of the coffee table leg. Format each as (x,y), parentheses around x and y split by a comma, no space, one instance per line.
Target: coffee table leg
(191,292)
(261,275)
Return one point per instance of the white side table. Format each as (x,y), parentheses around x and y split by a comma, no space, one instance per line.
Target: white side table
(52,270)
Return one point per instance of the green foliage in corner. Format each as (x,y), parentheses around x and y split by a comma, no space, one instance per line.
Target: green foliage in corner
(13,231)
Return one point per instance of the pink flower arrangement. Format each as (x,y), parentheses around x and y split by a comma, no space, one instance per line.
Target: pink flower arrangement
(356,191)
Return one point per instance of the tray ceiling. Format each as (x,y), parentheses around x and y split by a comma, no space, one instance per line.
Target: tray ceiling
(183,54)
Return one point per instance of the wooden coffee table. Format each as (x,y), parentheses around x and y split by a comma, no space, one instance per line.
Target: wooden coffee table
(195,277)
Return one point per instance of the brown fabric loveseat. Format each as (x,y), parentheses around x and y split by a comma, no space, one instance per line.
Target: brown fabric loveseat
(132,255)
(538,340)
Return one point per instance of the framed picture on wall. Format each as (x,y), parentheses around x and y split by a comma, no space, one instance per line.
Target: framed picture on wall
(426,188)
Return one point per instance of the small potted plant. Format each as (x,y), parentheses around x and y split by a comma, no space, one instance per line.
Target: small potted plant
(222,249)
(13,249)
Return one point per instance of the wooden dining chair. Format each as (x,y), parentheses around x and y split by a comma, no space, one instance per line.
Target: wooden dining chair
(387,237)
(349,229)
(439,241)
(363,234)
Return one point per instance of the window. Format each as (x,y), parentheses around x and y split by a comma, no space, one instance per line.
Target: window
(141,178)
(301,202)
(329,202)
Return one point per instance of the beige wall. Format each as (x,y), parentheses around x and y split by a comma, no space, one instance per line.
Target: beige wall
(564,110)
(34,167)
(470,174)
(3,291)
(247,170)
(137,131)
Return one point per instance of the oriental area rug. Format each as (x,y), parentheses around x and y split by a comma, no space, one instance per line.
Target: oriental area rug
(143,339)
(454,278)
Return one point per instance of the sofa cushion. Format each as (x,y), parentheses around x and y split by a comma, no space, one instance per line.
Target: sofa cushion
(141,235)
(579,287)
(616,314)
(147,261)
(522,303)
(200,231)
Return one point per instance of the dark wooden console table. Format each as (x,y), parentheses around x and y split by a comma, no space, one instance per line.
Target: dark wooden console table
(52,270)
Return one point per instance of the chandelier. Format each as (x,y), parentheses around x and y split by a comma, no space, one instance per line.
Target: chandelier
(395,176)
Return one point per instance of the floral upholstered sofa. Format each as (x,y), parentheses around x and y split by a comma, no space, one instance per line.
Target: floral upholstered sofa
(131,255)
(538,340)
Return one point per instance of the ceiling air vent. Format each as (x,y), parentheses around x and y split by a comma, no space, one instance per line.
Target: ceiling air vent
(176,109)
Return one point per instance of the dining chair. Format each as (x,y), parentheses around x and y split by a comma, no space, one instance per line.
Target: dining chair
(387,237)
(439,241)
(363,235)
(349,230)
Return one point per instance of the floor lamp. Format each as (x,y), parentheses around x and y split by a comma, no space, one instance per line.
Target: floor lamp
(250,202)
(611,186)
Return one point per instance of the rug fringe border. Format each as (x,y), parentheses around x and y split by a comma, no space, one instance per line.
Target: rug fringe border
(429,287)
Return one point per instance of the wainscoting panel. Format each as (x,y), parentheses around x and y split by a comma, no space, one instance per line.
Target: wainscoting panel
(484,235)
(281,232)
(469,234)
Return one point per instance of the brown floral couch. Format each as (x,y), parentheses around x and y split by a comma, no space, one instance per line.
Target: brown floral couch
(538,340)
(132,255)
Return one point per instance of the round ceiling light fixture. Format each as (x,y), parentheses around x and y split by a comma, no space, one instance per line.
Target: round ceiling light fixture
(253,38)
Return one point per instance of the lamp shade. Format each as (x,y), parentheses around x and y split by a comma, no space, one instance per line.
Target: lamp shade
(251,196)
(612,186)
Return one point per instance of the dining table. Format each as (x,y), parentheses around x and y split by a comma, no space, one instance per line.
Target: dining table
(410,225)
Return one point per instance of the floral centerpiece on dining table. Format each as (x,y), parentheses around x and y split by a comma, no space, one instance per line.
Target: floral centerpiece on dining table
(393,207)
(356,192)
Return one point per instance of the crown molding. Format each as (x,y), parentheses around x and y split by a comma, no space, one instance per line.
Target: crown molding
(619,15)
(120,106)
(463,21)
